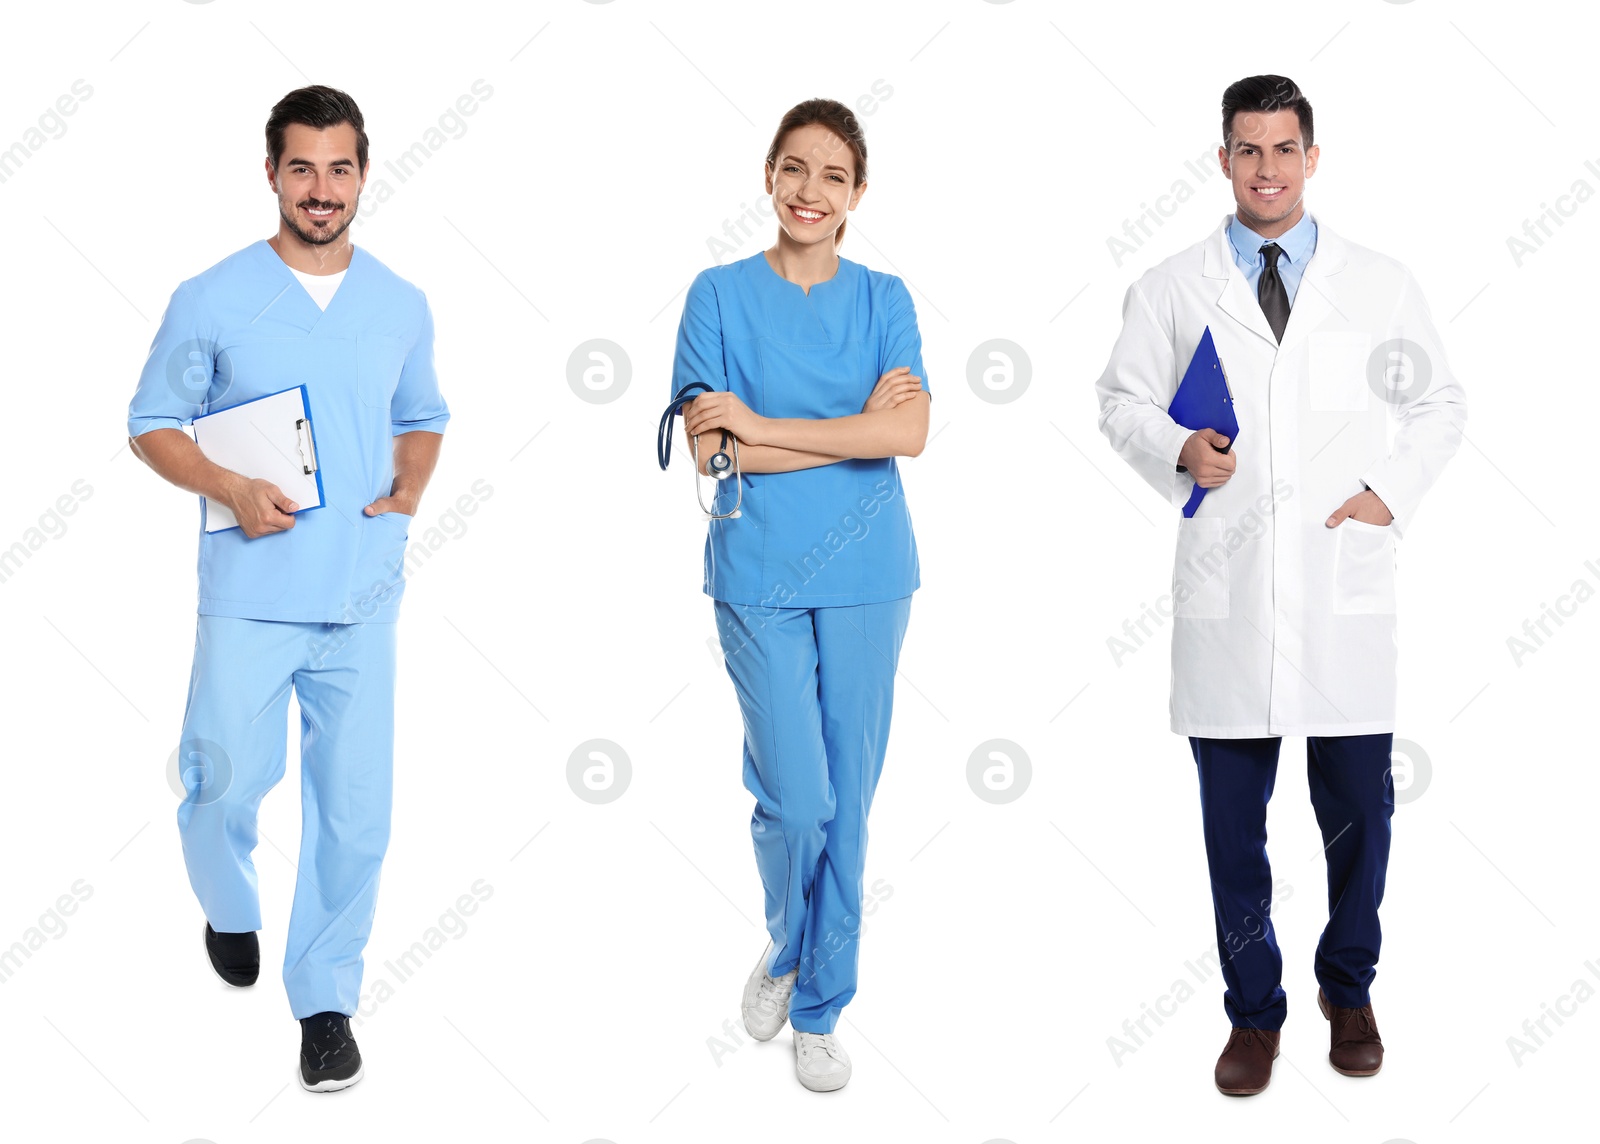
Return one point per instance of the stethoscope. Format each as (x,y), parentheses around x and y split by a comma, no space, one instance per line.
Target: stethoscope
(721,465)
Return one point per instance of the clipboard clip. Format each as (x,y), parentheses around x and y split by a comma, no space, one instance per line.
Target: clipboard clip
(1223,370)
(308,450)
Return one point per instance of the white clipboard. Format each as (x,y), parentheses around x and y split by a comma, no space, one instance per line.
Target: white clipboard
(269,438)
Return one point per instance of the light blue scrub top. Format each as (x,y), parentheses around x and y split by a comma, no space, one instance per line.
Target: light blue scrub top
(246,328)
(831,535)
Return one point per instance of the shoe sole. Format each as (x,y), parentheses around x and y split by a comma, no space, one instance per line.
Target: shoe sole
(763,1037)
(217,969)
(829,1084)
(332,1085)
(1322,1003)
(1354,1072)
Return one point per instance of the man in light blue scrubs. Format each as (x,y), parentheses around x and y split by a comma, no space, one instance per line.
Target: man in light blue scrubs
(306,602)
(816,364)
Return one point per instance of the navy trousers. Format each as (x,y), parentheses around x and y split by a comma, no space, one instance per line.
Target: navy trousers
(1353,795)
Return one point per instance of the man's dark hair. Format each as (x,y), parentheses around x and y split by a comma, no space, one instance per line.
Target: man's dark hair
(1266,93)
(319,107)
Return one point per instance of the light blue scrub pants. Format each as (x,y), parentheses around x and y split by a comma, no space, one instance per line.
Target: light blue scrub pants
(233,752)
(816,688)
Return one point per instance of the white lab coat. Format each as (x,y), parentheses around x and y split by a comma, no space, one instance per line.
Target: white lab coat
(1281,625)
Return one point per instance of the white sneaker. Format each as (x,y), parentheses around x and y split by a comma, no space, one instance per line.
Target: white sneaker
(766,999)
(819,1062)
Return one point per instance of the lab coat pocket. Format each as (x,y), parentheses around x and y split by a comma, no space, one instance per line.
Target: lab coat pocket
(1338,372)
(379,360)
(1200,574)
(1363,568)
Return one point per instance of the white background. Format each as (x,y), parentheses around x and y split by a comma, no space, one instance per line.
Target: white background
(1013,940)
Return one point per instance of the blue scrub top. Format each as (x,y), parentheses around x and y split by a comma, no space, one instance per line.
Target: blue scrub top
(828,536)
(246,328)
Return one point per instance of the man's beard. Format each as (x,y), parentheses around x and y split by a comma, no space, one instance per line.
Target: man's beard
(318,237)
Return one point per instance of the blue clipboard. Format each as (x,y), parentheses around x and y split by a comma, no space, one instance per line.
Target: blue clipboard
(1204,401)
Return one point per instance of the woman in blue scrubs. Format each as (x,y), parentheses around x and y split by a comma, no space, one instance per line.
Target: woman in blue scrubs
(816,364)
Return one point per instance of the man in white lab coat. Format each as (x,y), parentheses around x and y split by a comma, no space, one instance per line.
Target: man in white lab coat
(1283,586)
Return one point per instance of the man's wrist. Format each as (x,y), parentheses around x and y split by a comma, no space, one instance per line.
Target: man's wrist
(229,486)
(407,494)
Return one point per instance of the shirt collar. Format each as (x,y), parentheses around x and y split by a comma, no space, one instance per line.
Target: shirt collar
(1296,242)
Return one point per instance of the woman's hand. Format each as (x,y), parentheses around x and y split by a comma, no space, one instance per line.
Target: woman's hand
(894,387)
(723,410)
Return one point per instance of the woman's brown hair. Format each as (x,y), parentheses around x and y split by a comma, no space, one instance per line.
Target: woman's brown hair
(838,119)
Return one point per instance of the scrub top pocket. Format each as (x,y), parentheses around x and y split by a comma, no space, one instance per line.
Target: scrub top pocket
(380,574)
(379,360)
(1200,573)
(812,380)
(237,569)
(1363,569)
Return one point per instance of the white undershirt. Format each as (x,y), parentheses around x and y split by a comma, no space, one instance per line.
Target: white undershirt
(321,287)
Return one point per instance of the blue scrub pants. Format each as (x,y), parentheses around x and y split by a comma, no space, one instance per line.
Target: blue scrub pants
(234,750)
(1353,796)
(816,688)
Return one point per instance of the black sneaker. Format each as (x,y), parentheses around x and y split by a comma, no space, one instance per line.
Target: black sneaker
(235,956)
(329,1059)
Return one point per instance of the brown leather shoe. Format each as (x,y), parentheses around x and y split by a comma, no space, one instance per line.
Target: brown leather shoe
(1245,1066)
(1355,1048)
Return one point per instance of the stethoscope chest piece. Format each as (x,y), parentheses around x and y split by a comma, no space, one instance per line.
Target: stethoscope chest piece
(720,464)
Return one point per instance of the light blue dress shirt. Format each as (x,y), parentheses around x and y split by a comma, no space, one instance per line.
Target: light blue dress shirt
(832,535)
(247,328)
(1298,243)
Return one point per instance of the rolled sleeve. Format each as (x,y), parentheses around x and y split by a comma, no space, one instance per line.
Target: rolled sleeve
(184,370)
(417,402)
